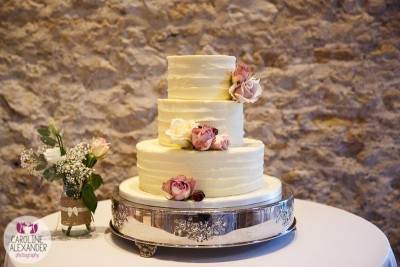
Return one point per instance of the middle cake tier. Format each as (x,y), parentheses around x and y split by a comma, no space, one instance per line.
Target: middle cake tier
(226,116)
(235,171)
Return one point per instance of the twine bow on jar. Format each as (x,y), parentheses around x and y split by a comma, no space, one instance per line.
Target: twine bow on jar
(73,210)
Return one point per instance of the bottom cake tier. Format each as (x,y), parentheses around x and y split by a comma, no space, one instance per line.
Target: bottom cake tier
(152,226)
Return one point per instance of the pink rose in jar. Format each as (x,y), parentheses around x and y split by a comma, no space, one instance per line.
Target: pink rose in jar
(179,187)
(241,73)
(248,91)
(222,142)
(99,147)
(203,137)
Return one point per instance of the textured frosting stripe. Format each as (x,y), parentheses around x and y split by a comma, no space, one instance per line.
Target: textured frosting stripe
(226,116)
(218,173)
(200,77)
(188,94)
(206,61)
(197,83)
(210,72)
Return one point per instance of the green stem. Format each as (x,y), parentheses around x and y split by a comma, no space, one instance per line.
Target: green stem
(64,178)
(91,161)
(68,230)
(61,145)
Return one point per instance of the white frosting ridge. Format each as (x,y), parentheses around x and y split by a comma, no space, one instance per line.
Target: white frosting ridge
(235,171)
(226,116)
(200,77)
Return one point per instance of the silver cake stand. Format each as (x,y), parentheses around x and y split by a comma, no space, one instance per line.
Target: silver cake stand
(150,226)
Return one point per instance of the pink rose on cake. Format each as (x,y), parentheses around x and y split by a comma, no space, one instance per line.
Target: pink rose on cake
(203,137)
(180,132)
(248,91)
(222,142)
(179,187)
(244,88)
(188,134)
(241,73)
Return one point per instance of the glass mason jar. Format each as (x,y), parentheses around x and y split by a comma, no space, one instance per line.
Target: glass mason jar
(76,218)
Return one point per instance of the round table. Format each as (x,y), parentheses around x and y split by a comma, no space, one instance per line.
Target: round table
(325,236)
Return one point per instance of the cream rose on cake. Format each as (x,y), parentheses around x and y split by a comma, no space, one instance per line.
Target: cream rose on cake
(180,132)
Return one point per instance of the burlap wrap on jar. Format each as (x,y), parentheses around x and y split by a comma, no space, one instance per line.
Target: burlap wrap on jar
(74,212)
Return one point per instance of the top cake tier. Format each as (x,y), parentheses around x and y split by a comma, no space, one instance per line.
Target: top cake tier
(200,77)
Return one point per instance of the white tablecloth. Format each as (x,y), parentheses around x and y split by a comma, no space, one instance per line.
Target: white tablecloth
(325,236)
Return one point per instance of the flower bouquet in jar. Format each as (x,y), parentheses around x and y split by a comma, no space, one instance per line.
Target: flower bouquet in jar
(74,167)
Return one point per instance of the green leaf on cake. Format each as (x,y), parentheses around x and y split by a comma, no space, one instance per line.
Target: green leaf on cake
(95,181)
(89,198)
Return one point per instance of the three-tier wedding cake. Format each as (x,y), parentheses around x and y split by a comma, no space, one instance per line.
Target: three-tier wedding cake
(201,183)
(198,94)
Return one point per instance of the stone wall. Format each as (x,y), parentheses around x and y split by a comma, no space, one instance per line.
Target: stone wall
(329,114)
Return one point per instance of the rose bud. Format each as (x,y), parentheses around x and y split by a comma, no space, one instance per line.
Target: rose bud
(198,195)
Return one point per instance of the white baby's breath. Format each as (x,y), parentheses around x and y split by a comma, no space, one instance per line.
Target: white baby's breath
(73,167)
(28,160)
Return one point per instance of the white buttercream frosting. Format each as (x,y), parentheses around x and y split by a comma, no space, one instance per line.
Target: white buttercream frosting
(218,173)
(226,116)
(200,77)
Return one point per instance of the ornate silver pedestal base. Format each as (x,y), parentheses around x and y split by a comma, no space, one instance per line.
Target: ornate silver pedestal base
(146,250)
(151,226)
